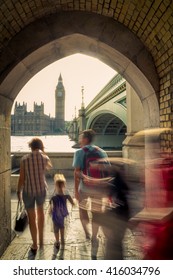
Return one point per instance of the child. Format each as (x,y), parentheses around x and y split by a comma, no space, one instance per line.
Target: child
(58,208)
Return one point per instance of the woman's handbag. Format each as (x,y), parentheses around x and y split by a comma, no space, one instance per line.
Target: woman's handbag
(21,218)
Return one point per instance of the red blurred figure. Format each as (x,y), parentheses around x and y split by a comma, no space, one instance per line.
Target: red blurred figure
(157,216)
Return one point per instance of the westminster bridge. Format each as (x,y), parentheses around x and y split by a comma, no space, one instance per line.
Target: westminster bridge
(115,114)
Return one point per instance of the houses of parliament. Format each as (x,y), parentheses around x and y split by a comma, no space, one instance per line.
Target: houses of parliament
(37,122)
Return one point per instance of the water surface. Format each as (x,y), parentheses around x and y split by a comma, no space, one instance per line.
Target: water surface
(52,143)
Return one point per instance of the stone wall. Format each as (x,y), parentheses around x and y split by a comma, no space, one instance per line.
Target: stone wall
(62,163)
(5,208)
(166,105)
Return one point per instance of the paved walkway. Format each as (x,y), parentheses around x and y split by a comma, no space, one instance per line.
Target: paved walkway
(76,247)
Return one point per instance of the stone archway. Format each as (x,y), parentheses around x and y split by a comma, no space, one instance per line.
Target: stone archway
(64,34)
(54,37)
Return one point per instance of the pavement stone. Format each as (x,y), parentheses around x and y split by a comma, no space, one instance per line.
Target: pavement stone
(76,246)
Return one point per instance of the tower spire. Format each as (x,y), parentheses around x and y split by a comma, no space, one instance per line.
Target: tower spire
(75,112)
(60,78)
(82,105)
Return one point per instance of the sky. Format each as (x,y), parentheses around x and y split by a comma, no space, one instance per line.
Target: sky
(77,70)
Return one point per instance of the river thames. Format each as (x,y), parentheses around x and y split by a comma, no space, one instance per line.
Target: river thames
(52,143)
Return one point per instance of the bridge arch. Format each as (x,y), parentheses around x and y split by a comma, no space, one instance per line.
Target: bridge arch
(53,37)
(115,109)
(109,129)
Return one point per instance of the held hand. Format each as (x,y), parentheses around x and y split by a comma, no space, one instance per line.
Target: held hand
(75,202)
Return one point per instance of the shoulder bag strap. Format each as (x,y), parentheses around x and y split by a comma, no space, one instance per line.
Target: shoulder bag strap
(19,208)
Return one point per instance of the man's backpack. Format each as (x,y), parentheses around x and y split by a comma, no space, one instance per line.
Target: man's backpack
(90,163)
(94,173)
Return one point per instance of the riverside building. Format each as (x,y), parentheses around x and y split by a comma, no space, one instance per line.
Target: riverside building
(37,122)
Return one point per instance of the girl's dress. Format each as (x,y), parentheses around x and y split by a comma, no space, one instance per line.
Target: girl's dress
(59,211)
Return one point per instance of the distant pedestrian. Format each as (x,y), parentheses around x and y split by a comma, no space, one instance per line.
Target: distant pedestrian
(32,188)
(82,163)
(58,209)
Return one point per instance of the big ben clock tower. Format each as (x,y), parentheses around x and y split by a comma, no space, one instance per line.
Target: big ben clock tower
(60,106)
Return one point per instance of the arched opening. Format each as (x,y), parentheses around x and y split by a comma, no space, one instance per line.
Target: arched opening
(55,37)
(109,41)
(110,131)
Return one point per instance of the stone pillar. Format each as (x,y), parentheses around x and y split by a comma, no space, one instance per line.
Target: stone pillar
(5,171)
(135,123)
(75,136)
(82,120)
(73,131)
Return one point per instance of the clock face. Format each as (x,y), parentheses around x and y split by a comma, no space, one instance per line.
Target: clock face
(59,93)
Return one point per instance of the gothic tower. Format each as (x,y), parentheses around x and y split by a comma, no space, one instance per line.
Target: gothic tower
(82,118)
(60,106)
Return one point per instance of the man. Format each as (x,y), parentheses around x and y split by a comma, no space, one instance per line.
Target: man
(82,192)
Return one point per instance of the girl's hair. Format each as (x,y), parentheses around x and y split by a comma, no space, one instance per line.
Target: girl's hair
(36,143)
(60,181)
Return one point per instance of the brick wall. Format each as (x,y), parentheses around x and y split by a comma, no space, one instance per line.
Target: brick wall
(151,21)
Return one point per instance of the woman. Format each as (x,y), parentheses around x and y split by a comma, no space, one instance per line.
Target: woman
(32,188)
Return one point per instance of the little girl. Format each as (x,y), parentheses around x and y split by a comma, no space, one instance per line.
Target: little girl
(58,208)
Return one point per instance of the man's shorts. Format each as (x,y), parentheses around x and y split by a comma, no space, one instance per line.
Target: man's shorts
(91,202)
(30,201)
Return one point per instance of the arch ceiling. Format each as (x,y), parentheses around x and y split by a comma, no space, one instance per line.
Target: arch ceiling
(51,36)
(149,20)
(108,124)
